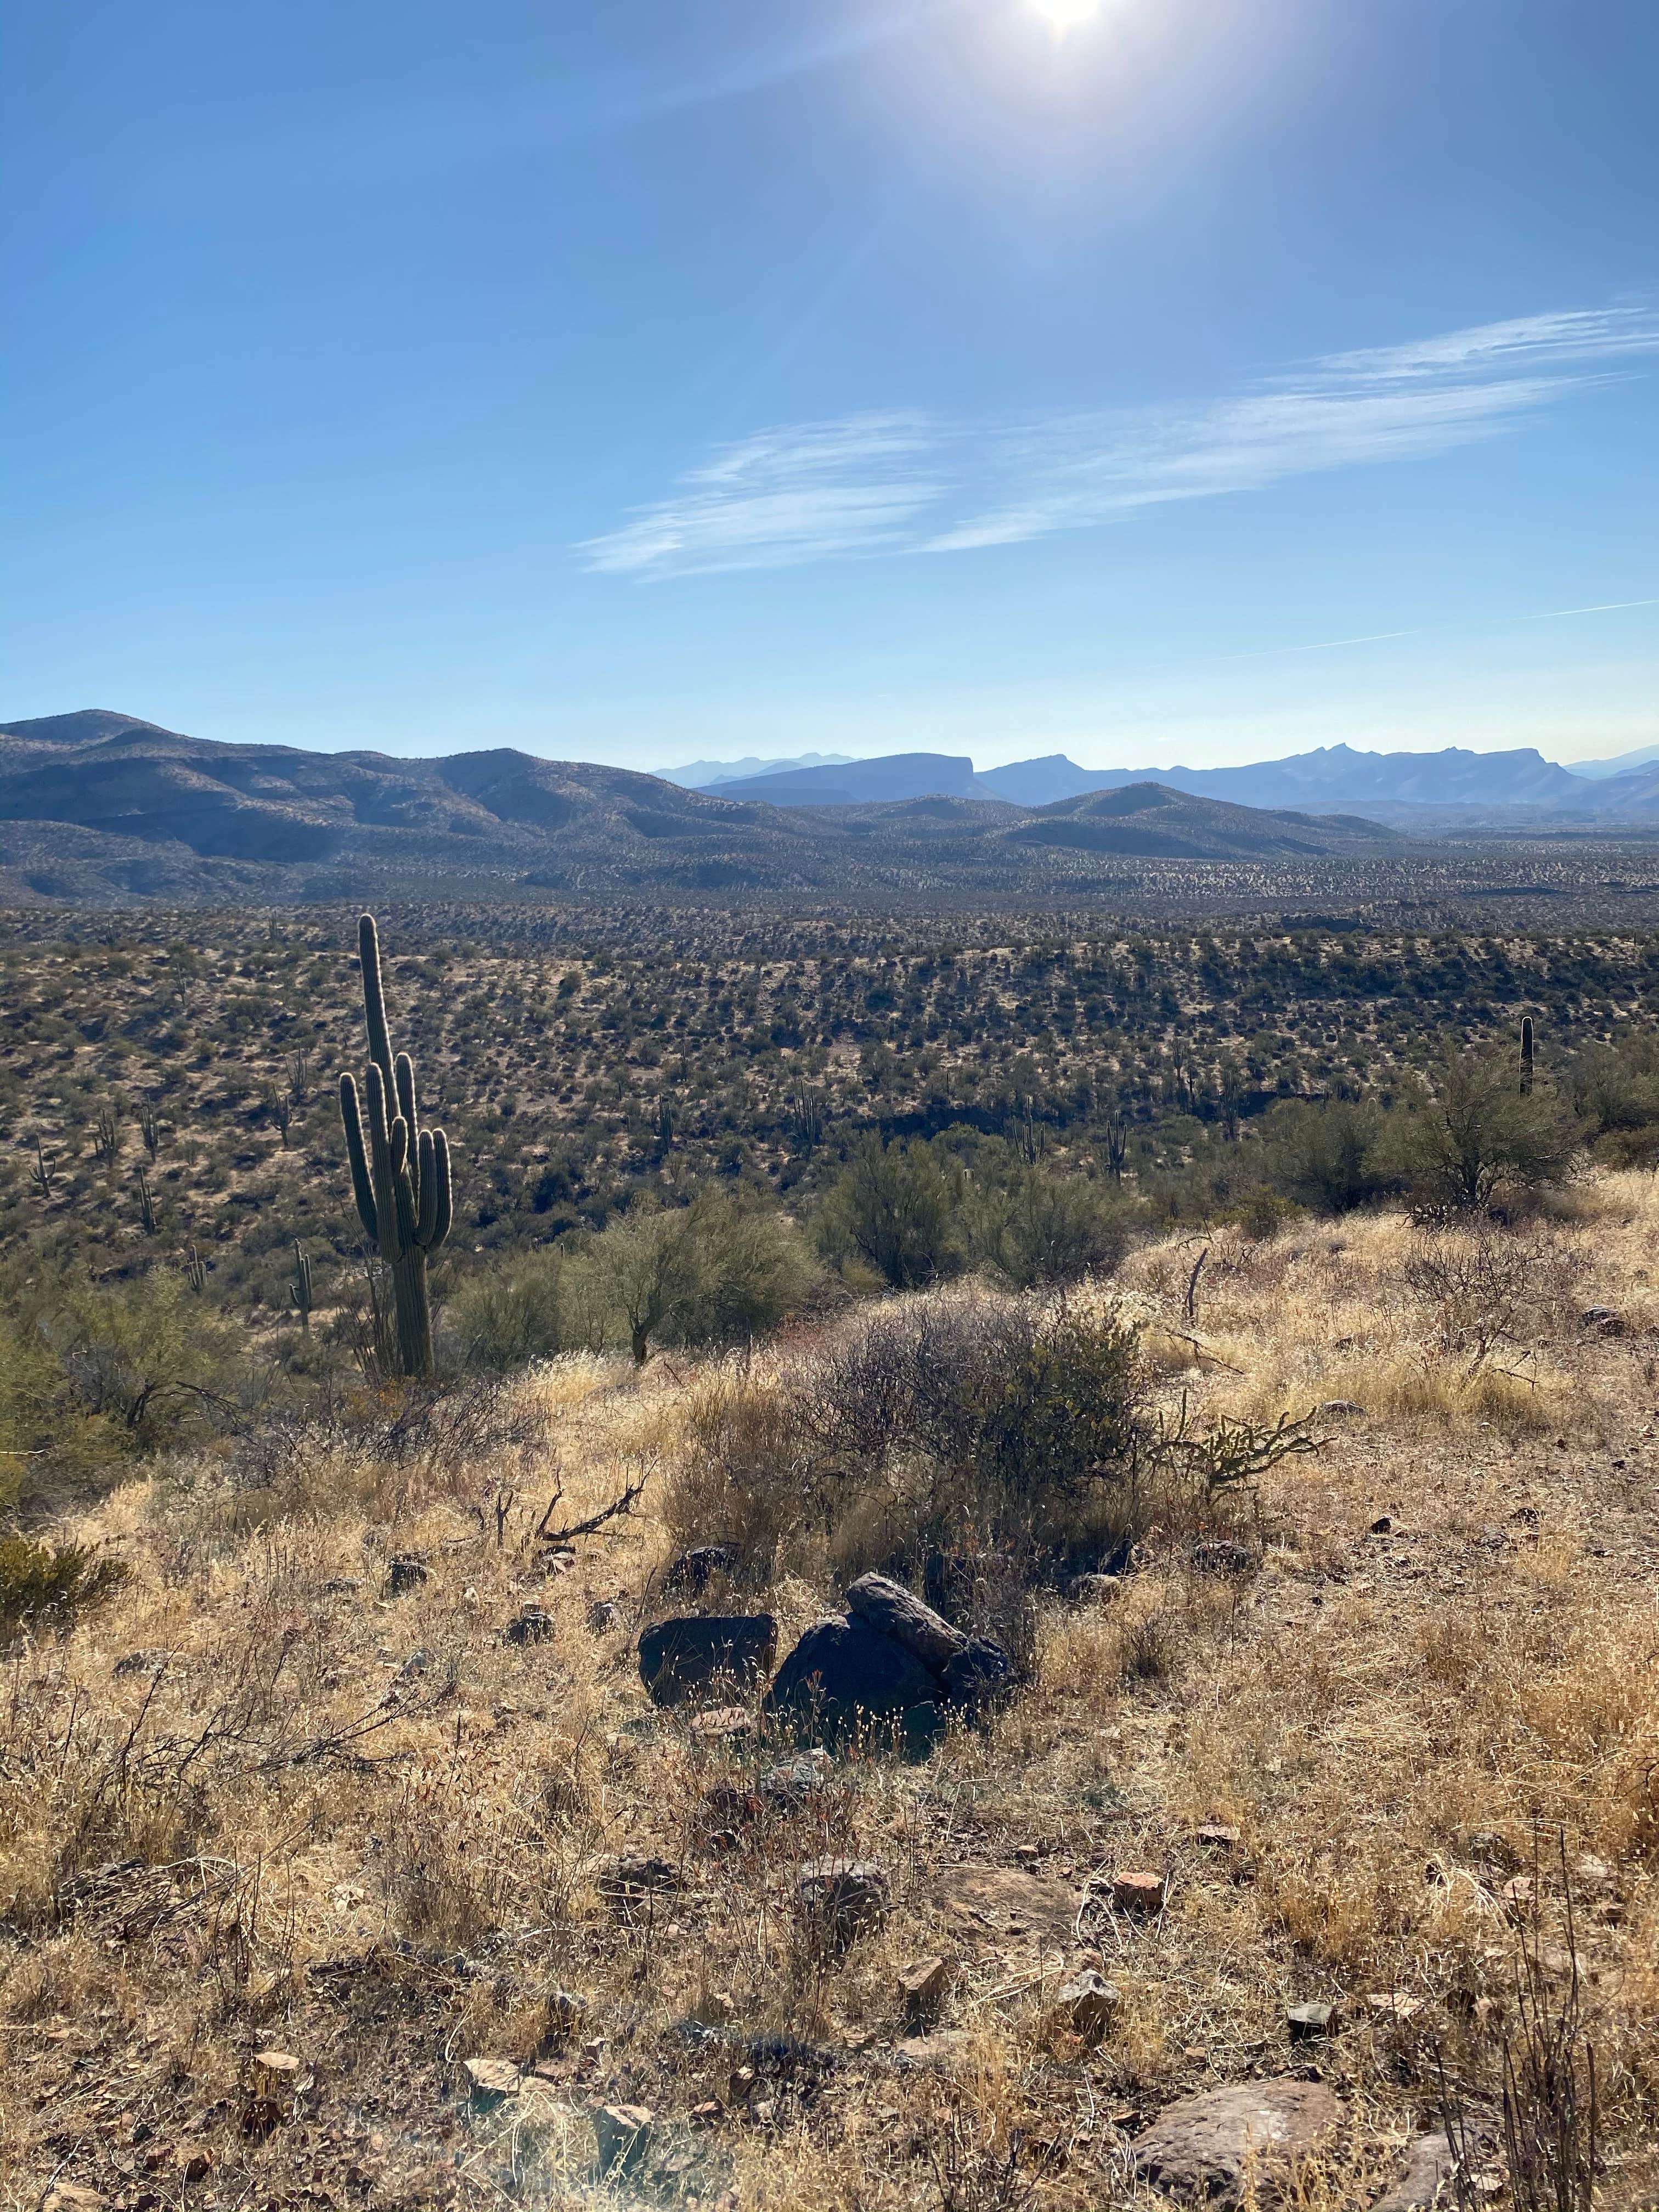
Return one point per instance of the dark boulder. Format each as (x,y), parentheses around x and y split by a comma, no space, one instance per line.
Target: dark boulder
(981,1673)
(844,1671)
(681,1657)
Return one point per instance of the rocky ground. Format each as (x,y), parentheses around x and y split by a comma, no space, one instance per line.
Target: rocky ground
(348,1859)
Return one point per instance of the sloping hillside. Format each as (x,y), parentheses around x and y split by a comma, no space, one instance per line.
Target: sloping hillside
(101,807)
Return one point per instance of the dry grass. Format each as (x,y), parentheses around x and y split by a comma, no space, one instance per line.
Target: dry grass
(258,1801)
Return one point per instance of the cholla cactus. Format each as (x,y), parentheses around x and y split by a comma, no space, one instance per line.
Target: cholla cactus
(401,1175)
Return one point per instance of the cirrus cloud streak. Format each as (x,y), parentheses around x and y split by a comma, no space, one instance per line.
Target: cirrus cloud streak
(884,483)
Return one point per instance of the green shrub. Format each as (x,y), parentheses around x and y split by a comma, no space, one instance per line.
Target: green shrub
(1044,1226)
(506,1317)
(894,1206)
(1325,1156)
(1476,1137)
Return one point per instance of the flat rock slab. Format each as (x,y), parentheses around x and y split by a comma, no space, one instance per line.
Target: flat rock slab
(682,1657)
(989,1905)
(1199,2150)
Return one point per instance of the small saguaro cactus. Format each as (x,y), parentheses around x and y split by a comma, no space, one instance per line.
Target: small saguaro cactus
(196,1272)
(401,1175)
(1526,1053)
(299,1290)
(146,1201)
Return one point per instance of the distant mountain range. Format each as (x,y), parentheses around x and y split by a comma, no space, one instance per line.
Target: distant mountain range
(101,808)
(1402,788)
(697,775)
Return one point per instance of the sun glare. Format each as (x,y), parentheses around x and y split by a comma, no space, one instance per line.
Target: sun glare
(1067,15)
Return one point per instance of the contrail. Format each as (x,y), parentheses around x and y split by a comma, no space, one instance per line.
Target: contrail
(1432,630)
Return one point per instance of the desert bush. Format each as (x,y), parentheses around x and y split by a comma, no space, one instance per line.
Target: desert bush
(1325,1156)
(1476,1137)
(722,1270)
(1044,1226)
(46,1585)
(894,1206)
(1477,1280)
(743,1476)
(506,1317)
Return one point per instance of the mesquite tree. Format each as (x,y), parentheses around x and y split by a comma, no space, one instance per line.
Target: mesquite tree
(401,1177)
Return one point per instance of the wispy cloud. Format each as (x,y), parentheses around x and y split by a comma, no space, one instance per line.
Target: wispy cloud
(889,483)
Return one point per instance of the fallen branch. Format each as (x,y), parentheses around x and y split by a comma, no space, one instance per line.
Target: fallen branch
(558,1537)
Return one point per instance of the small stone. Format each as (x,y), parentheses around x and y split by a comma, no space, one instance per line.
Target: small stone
(1340,1409)
(741,2082)
(1518,1893)
(948,2048)
(1086,2004)
(622,2136)
(1223,1555)
(1305,2021)
(1395,2004)
(708,2114)
(922,1985)
(533,1625)
(1590,1871)
(1604,1320)
(787,1788)
(71,2196)
(407,1575)
(193,2164)
(1216,1836)
(141,1662)
(1094,1590)
(340,1586)
(604,1616)
(1381,1526)
(723,1724)
(693,1571)
(1138,1892)
(276,2066)
(842,1897)
(625,1883)
(491,2081)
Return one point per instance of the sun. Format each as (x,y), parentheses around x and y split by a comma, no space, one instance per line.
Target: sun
(1067,15)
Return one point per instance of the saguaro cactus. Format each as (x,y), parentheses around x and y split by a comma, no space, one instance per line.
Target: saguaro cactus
(299,1291)
(401,1175)
(1526,1053)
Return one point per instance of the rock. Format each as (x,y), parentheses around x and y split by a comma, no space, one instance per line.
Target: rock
(723,1725)
(845,1671)
(625,1883)
(978,1674)
(1216,1836)
(1094,1589)
(893,1610)
(533,1625)
(950,2047)
(276,2070)
(1224,1555)
(692,1572)
(842,1897)
(1306,2021)
(141,1662)
(1200,2149)
(622,2136)
(1138,1892)
(922,1986)
(407,1575)
(1518,1894)
(340,1586)
(1340,1409)
(985,1905)
(1428,2161)
(603,1615)
(1393,2004)
(1382,1526)
(1087,2003)
(492,2080)
(71,2196)
(679,1658)
(787,1788)
(1604,1320)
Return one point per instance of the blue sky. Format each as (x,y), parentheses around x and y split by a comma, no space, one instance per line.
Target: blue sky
(662,379)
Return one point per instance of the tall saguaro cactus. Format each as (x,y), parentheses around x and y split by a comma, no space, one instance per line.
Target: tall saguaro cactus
(1526,1054)
(401,1175)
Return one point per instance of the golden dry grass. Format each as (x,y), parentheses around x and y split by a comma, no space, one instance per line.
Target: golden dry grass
(259,1803)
